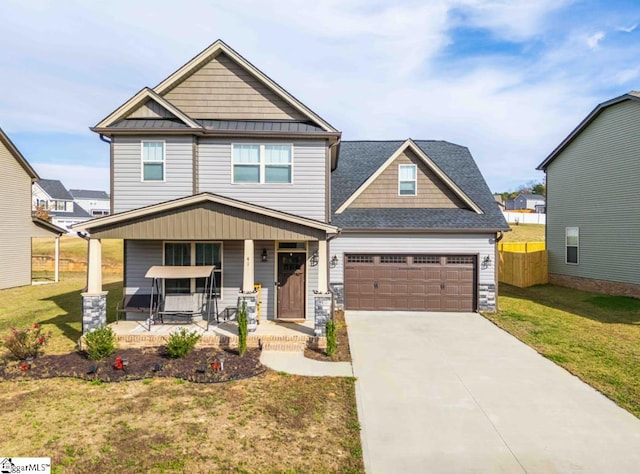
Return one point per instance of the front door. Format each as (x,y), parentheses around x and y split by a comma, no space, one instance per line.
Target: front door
(291,285)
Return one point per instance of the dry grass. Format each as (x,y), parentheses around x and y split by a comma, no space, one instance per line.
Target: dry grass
(75,248)
(272,423)
(525,233)
(595,337)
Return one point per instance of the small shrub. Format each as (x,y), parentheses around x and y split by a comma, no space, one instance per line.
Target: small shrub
(181,342)
(28,342)
(100,342)
(242,329)
(332,338)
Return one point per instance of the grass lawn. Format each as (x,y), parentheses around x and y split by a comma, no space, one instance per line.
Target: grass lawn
(271,423)
(75,248)
(596,337)
(525,233)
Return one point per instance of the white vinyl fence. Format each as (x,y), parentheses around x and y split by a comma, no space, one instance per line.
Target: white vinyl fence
(522,218)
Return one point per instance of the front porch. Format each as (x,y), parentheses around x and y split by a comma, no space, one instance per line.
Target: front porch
(220,335)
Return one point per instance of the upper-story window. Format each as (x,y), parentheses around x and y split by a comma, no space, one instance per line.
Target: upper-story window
(153,161)
(262,163)
(407,178)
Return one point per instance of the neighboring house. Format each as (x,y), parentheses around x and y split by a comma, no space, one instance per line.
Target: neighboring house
(219,165)
(51,195)
(534,202)
(96,203)
(18,224)
(593,208)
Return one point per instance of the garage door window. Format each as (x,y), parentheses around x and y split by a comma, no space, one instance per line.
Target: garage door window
(459,260)
(393,259)
(422,259)
(359,258)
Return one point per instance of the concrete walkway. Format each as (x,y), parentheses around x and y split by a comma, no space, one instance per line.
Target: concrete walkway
(452,393)
(296,363)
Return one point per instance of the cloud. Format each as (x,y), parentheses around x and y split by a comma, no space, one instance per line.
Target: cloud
(593,41)
(628,29)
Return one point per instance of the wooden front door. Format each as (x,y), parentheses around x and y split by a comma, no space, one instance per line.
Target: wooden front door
(291,285)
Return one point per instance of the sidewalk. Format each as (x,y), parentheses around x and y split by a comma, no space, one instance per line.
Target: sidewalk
(296,363)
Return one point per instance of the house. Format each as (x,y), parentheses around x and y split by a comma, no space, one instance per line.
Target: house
(19,225)
(534,202)
(219,165)
(593,209)
(51,195)
(96,203)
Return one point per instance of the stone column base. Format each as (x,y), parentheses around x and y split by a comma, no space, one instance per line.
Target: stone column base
(322,313)
(94,311)
(338,293)
(251,300)
(487,298)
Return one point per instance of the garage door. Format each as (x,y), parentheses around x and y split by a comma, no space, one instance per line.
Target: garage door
(410,282)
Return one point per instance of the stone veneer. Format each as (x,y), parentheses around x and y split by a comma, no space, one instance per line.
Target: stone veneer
(94,311)
(338,294)
(251,299)
(487,297)
(596,286)
(322,313)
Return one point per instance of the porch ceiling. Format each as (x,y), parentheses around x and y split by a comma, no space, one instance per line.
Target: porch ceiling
(207,218)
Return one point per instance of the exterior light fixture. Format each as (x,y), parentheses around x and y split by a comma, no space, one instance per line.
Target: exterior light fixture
(264,255)
(334,261)
(313,261)
(486,261)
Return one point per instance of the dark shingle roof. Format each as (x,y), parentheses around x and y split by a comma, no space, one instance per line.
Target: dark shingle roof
(88,194)
(360,159)
(536,197)
(77,212)
(55,189)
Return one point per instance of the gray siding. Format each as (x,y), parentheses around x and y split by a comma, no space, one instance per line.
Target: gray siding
(594,185)
(264,273)
(129,192)
(140,255)
(304,197)
(17,228)
(480,244)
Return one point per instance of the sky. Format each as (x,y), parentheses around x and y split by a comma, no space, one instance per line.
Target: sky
(508,79)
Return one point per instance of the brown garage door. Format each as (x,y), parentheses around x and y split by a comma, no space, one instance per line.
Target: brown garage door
(410,282)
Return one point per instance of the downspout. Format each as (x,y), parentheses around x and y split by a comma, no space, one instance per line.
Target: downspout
(329,170)
(106,140)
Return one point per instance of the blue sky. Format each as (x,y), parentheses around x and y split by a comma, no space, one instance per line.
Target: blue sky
(508,79)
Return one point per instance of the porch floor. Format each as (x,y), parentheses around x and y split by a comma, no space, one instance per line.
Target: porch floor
(223,334)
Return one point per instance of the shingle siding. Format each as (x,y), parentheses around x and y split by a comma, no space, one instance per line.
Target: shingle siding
(593,184)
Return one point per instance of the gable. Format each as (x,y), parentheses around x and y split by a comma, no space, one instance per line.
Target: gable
(431,192)
(222,89)
(150,109)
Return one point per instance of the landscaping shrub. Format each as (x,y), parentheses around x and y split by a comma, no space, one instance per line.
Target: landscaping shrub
(332,337)
(242,329)
(100,342)
(28,342)
(181,342)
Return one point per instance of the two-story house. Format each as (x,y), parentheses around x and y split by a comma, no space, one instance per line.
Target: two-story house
(219,165)
(52,196)
(19,226)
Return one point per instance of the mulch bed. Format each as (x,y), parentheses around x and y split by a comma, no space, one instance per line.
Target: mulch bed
(343,352)
(197,366)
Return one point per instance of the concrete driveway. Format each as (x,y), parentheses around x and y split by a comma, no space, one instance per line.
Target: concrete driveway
(452,393)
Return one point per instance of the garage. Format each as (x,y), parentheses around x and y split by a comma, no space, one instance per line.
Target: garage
(419,282)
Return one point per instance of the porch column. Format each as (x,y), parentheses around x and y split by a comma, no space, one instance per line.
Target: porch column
(248,269)
(322,266)
(56,259)
(94,300)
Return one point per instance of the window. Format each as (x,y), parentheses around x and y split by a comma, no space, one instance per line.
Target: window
(262,163)
(572,241)
(407,177)
(200,253)
(152,161)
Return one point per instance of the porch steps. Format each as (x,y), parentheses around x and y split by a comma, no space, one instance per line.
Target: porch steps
(283,346)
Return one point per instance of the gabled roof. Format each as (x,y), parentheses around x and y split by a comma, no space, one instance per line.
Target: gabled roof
(55,189)
(533,197)
(139,99)
(88,194)
(360,160)
(633,95)
(17,155)
(201,198)
(77,212)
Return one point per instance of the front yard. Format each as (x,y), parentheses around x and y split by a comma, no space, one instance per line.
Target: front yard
(596,337)
(270,423)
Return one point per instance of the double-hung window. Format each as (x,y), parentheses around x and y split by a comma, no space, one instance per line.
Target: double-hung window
(153,158)
(200,253)
(572,243)
(262,163)
(407,180)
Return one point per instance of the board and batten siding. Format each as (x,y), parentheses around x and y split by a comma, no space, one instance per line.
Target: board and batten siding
(130,192)
(305,196)
(437,244)
(594,185)
(17,227)
(222,89)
